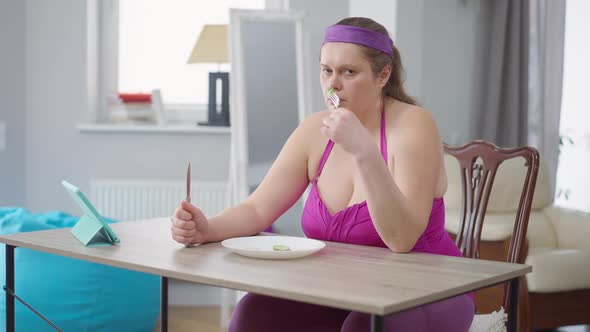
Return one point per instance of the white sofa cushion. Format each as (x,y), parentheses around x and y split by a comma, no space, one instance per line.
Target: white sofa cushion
(506,190)
(572,228)
(499,226)
(557,270)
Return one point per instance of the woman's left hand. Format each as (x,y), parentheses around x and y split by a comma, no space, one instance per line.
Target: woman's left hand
(345,129)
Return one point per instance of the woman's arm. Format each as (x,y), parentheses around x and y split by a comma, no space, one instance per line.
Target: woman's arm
(282,186)
(400,198)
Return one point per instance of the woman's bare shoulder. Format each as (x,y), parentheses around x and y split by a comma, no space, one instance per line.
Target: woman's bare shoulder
(408,117)
(312,123)
(308,132)
(410,124)
(316,117)
(404,112)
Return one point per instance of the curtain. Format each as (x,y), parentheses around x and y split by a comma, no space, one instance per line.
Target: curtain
(502,111)
(547,33)
(521,98)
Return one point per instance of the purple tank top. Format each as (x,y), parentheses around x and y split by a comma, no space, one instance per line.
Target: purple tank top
(354,225)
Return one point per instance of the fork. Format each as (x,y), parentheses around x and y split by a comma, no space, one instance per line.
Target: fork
(334,97)
(188,190)
(188,183)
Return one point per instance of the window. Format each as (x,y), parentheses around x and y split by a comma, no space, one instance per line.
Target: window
(573,179)
(146,44)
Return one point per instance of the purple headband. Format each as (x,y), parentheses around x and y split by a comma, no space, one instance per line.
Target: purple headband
(360,36)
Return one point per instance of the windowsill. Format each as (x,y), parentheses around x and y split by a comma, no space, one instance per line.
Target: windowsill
(151,129)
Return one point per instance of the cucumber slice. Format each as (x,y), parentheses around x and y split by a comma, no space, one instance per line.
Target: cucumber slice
(280,247)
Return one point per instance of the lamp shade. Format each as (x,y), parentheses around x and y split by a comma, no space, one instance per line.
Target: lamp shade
(211,47)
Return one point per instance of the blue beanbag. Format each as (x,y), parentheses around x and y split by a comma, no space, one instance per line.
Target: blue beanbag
(73,294)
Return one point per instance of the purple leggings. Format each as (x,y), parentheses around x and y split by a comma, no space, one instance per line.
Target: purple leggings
(262,313)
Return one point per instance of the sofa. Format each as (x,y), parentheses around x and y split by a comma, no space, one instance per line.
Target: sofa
(557,291)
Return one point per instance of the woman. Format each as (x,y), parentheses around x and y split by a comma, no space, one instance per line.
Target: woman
(375,165)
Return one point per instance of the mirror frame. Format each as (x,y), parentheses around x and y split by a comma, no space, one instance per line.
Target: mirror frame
(239,163)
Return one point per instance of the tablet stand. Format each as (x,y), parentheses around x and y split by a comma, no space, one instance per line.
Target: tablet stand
(91,232)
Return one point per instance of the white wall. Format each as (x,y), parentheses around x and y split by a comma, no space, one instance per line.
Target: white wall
(57,91)
(384,12)
(12,102)
(442,46)
(454,49)
(320,15)
(58,86)
(409,41)
(45,83)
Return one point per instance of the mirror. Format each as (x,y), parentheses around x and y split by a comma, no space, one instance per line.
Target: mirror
(269,97)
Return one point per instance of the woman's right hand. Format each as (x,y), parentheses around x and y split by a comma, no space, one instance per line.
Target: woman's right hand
(189,224)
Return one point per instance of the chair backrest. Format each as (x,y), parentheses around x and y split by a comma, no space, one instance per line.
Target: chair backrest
(478,163)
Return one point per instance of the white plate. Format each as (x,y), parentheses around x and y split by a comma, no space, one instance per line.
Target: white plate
(262,246)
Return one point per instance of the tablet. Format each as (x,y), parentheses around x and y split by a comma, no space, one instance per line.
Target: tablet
(89,209)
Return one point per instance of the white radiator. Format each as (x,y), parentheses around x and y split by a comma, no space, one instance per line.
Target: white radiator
(140,199)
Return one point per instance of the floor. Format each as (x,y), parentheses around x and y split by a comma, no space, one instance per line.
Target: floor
(191,319)
(206,319)
(577,328)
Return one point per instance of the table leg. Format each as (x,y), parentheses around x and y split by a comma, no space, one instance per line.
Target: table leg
(9,286)
(164,305)
(377,323)
(513,305)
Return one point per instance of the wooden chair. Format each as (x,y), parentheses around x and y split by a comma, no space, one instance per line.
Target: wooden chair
(479,161)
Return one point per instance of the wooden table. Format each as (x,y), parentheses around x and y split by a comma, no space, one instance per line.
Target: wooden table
(357,278)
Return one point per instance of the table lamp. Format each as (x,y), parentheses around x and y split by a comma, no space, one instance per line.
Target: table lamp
(211,47)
